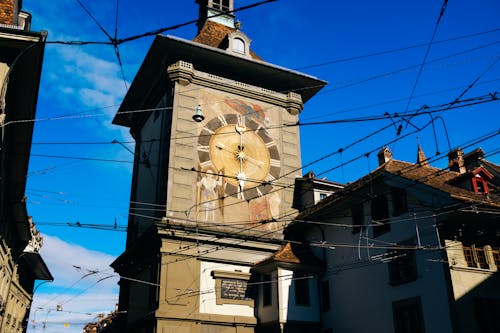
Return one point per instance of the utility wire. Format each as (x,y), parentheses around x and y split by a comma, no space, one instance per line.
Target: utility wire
(443,8)
(326,156)
(118,41)
(403,69)
(374,54)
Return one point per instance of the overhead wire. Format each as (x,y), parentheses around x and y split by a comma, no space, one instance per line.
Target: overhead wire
(406,68)
(394,50)
(118,41)
(427,51)
(335,152)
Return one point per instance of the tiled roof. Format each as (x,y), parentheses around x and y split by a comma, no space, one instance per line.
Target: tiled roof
(214,34)
(293,254)
(424,174)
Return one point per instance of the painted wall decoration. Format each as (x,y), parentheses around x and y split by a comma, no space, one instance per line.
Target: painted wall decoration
(238,159)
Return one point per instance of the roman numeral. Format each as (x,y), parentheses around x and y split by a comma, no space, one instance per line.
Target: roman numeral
(222,119)
(203,148)
(270,178)
(270,144)
(241,119)
(258,191)
(241,194)
(208,130)
(206,164)
(275,163)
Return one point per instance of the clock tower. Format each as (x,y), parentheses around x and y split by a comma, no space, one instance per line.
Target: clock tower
(213,176)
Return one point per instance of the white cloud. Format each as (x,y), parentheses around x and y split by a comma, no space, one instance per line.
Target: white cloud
(82,294)
(85,74)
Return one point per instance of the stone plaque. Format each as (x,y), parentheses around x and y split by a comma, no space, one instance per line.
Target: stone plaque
(234,289)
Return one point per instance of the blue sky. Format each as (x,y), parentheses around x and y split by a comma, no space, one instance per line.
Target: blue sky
(84,83)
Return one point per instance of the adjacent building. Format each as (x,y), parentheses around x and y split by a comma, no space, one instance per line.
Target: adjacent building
(21,56)
(409,248)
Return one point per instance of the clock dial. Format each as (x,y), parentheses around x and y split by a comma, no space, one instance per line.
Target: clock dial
(243,151)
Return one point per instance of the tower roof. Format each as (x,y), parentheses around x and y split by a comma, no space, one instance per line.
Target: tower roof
(167,50)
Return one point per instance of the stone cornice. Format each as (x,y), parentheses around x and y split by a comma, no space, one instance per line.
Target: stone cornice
(218,274)
(185,73)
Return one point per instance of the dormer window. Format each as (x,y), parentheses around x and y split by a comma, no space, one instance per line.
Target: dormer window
(239,45)
(479,184)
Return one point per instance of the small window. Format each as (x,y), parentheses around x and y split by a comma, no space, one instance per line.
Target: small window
(322,196)
(403,267)
(496,257)
(357,218)
(399,202)
(325,296)
(380,215)
(407,315)
(239,45)
(266,290)
(301,283)
(475,257)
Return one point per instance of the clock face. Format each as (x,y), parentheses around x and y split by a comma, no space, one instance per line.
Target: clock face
(243,151)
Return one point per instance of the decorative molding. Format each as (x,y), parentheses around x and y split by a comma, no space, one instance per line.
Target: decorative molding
(184,73)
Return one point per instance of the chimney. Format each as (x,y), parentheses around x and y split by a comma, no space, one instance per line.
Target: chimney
(384,155)
(456,160)
(473,159)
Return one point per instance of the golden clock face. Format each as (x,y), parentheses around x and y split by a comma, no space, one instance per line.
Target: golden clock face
(243,151)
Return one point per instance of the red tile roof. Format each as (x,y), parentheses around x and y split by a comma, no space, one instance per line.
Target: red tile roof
(424,174)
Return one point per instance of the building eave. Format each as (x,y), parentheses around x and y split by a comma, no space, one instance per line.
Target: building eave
(167,50)
(27,52)
(37,266)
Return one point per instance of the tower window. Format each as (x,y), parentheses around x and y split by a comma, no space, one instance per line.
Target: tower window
(222,5)
(239,45)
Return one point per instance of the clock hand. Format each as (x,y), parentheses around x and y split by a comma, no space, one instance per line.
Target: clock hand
(240,155)
(254,161)
(222,146)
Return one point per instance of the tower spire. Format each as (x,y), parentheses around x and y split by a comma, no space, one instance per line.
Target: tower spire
(421,158)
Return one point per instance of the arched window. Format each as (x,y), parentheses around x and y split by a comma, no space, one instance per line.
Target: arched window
(239,45)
